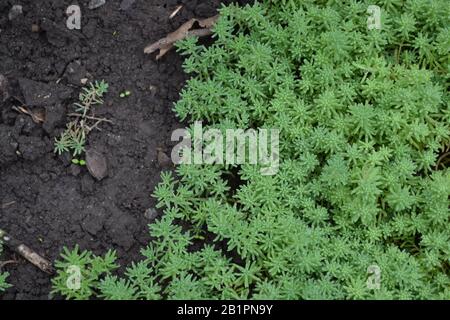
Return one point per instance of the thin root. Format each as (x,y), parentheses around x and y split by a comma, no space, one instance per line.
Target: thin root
(441,159)
(5,263)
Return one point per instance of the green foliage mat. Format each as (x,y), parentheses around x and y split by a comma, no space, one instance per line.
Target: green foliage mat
(363,114)
(3,275)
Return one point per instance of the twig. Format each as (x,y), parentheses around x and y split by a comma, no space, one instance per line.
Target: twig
(174,13)
(5,263)
(5,205)
(95,126)
(26,252)
(85,126)
(89,117)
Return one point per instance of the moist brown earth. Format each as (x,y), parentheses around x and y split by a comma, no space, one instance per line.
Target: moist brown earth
(47,202)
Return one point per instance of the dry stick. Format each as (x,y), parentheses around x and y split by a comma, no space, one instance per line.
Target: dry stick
(89,117)
(174,13)
(94,126)
(26,252)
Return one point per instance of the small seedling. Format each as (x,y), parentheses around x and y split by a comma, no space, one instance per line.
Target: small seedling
(79,162)
(125,94)
(73,139)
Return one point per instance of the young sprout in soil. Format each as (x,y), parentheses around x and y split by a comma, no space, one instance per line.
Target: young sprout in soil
(90,96)
(79,162)
(73,139)
(125,94)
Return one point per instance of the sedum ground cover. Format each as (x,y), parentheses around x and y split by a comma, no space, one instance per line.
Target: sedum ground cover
(363,116)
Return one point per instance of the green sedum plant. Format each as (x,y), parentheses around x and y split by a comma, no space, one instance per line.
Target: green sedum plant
(3,275)
(73,139)
(363,116)
(79,273)
(3,284)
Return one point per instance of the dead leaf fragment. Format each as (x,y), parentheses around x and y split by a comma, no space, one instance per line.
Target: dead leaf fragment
(167,43)
(38,115)
(35,28)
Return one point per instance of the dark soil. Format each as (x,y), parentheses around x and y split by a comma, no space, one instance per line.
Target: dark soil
(47,202)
